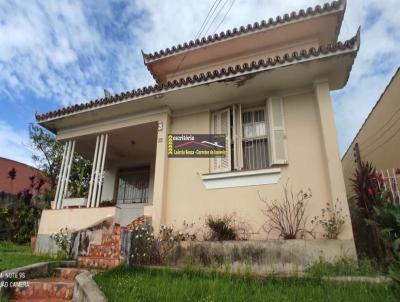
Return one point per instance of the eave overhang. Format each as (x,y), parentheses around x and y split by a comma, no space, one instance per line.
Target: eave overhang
(333,62)
(178,55)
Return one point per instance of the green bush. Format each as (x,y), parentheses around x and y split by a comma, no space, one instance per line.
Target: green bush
(18,223)
(146,248)
(221,228)
(63,242)
(332,220)
(386,217)
(394,273)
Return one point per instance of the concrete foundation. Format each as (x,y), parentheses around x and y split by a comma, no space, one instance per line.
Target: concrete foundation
(272,256)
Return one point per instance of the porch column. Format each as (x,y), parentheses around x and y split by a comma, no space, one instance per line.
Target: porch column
(161,172)
(330,146)
(65,170)
(96,178)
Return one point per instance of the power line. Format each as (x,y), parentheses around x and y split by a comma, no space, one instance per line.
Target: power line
(382,135)
(384,143)
(205,20)
(210,14)
(223,19)
(383,126)
(215,17)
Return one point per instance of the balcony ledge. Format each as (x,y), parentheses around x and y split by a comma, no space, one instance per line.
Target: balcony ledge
(241,178)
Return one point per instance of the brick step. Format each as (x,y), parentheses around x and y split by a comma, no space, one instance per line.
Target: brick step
(97,262)
(68,273)
(46,288)
(105,251)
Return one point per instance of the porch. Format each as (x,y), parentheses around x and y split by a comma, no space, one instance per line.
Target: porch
(124,177)
(122,172)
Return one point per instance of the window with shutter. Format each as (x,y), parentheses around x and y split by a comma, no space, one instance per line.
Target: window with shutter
(258,136)
(279,154)
(221,124)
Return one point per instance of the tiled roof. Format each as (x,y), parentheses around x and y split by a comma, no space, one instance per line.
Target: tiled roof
(210,76)
(257,26)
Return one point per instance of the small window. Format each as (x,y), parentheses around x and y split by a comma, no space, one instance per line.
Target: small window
(133,185)
(255,139)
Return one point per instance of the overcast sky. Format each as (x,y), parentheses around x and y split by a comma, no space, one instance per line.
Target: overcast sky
(56,53)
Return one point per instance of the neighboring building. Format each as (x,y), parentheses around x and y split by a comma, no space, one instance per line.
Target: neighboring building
(265,86)
(21,181)
(379,137)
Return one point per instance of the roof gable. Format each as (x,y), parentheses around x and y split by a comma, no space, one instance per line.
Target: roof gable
(319,26)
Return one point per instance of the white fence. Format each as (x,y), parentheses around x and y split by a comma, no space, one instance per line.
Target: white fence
(389,180)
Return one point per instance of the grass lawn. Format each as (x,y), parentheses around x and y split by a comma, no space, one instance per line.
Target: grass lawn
(143,284)
(13,256)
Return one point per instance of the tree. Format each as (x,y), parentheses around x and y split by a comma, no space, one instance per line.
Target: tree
(48,157)
(49,152)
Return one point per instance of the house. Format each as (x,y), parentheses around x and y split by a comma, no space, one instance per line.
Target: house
(378,139)
(16,177)
(264,87)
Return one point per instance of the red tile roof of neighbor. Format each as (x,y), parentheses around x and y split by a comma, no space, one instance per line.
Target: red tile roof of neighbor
(21,181)
(257,26)
(229,72)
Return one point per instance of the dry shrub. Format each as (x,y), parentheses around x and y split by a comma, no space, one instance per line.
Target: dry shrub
(287,216)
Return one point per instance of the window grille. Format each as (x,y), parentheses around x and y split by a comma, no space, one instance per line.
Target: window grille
(133,186)
(255,139)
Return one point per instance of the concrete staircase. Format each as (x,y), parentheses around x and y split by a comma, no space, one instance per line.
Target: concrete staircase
(105,255)
(59,287)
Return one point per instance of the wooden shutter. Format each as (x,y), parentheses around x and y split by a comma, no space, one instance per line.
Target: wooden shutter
(237,136)
(279,154)
(220,124)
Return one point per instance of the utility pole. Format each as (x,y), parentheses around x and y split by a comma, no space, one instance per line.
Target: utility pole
(357,156)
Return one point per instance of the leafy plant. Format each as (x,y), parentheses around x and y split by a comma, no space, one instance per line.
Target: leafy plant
(146,248)
(143,246)
(332,221)
(288,216)
(386,217)
(221,228)
(18,223)
(394,273)
(367,184)
(63,242)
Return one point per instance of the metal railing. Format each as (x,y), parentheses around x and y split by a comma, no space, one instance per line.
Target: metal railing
(388,180)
